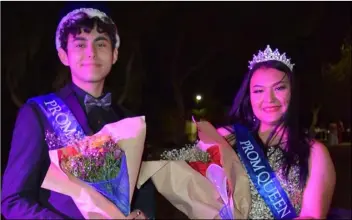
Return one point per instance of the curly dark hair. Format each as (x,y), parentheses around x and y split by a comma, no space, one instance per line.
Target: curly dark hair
(83,22)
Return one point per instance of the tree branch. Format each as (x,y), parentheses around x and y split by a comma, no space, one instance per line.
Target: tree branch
(174,69)
(199,65)
(127,79)
(12,85)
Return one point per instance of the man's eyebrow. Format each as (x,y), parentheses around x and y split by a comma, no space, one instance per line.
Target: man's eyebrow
(101,38)
(79,39)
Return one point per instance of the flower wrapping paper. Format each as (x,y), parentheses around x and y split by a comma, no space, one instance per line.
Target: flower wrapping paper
(129,134)
(192,193)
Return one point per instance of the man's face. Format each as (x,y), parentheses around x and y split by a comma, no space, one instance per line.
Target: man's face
(89,56)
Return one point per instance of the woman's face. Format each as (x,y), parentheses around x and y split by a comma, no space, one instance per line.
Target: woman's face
(270,93)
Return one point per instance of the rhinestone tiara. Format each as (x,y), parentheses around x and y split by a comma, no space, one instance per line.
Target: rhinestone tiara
(91,12)
(267,55)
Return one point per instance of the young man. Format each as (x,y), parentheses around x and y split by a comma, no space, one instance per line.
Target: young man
(87,42)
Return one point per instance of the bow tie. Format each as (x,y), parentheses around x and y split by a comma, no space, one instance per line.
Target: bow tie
(90,102)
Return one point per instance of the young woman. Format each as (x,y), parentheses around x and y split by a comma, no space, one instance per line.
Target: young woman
(291,175)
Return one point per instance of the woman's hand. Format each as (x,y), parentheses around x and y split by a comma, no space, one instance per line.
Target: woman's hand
(208,135)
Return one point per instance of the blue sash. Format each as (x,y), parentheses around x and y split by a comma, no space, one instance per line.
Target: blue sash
(63,122)
(262,176)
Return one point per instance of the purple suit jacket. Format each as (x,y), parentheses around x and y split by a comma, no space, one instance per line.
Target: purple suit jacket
(22,196)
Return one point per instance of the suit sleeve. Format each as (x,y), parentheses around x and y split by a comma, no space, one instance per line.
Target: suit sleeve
(146,199)
(25,173)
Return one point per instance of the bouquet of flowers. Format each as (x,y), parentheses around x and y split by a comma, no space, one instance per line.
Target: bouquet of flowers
(99,172)
(205,180)
(205,159)
(197,157)
(93,159)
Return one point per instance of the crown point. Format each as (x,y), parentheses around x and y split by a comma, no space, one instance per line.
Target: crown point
(267,55)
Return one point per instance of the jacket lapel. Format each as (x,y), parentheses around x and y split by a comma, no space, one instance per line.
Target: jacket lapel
(70,99)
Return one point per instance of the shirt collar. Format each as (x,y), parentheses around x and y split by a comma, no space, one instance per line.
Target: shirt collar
(80,93)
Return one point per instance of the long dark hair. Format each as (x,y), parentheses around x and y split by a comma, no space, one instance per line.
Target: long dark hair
(298,142)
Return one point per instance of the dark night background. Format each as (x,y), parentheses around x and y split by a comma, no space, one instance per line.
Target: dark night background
(171,51)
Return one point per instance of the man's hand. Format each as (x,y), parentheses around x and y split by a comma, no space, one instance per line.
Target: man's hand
(304,217)
(137,214)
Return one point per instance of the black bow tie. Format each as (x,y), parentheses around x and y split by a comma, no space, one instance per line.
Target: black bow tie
(90,102)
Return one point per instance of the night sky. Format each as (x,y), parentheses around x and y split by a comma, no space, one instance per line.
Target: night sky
(171,38)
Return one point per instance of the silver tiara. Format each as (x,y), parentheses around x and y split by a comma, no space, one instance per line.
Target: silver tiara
(91,12)
(267,55)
